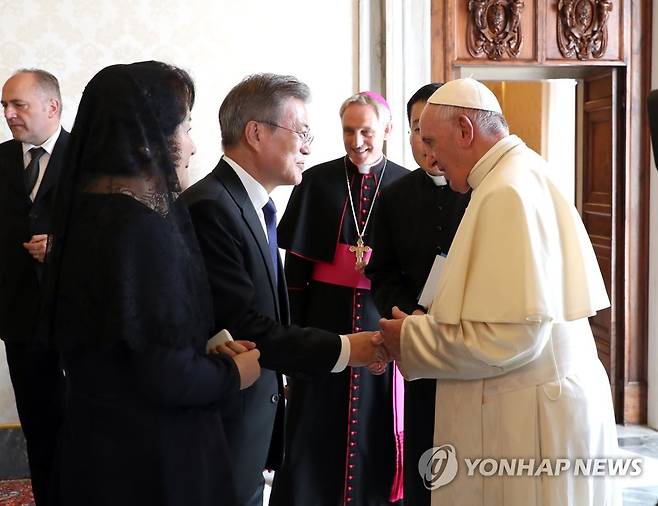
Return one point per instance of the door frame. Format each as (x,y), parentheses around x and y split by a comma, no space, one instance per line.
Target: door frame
(632,201)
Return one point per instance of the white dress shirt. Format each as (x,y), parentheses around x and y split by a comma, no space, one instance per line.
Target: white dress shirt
(257,193)
(48,147)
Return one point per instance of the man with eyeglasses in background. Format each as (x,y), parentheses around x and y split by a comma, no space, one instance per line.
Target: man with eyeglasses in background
(266,138)
(341,438)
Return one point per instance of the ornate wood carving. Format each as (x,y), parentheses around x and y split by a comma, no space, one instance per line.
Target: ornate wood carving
(494,28)
(582,28)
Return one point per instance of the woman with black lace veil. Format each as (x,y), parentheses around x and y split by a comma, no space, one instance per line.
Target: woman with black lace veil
(132,312)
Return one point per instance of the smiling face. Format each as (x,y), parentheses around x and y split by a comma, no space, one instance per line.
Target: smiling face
(284,152)
(185,148)
(363,134)
(31,115)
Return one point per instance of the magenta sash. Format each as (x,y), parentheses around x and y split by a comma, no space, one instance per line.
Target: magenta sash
(342,270)
(397,489)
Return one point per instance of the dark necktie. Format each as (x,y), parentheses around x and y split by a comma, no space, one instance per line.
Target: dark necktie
(32,170)
(269,210)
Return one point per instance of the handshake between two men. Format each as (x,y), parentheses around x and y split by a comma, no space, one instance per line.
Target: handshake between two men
(373,349)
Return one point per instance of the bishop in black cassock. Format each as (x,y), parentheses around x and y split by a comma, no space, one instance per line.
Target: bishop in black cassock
(340,435)
(339,426)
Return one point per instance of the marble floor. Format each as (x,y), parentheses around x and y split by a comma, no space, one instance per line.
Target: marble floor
(642,441)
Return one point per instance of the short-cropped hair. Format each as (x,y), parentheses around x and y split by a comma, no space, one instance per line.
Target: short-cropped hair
(46,82)
(258,97)
(382,112)
(488,122)
(422,95)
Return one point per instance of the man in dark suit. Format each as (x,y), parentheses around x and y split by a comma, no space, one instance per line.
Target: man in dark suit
(266,138)
(29,171)
(417,220)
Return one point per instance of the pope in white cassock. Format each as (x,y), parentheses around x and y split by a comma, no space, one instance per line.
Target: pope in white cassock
(507,334)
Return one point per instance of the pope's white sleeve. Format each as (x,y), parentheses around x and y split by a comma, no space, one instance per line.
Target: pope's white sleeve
(470,350)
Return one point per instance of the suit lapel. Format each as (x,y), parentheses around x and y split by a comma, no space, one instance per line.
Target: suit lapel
(227,176)
(16,168)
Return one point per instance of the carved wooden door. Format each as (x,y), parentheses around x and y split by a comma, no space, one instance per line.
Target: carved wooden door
(600,194)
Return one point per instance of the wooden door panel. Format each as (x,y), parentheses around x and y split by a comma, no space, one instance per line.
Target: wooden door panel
(597,195)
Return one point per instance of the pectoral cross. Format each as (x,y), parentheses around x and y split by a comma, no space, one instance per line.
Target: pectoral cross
(359,250)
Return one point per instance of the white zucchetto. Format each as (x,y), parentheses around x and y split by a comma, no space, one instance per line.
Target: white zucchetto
(467,93)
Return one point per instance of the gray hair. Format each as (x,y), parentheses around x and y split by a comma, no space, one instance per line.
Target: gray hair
(490,123)
(258,97)
(46,82)
(382,113)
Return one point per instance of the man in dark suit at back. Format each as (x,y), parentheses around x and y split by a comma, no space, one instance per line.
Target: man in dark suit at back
(418,217)
(29,171)
(266,138)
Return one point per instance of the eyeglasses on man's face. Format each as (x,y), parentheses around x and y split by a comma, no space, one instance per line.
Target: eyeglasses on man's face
(306,137)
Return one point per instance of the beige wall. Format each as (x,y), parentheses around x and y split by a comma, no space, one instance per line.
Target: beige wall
(218,41)
(542,113)
(522,105)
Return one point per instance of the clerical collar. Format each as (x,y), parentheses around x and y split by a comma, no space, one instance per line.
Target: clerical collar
(491,158)
(437,180)
(367,169)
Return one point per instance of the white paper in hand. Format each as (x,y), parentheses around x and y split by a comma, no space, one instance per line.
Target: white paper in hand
(432,283)
(223,336)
